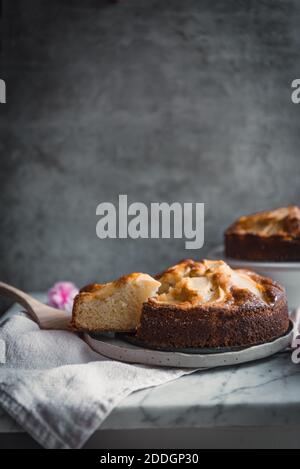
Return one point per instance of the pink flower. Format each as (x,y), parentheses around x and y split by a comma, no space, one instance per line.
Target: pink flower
(61,295)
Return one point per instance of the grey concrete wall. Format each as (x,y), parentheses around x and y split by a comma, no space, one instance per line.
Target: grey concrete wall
(161,100)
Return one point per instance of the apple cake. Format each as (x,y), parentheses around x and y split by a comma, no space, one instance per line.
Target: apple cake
(114,306)
(265,236)
(208,304)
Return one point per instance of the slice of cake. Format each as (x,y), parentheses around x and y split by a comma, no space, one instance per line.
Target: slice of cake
(265,236)
(114,306)
(208,304)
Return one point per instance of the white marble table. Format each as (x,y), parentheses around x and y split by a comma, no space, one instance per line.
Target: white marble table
(256,404)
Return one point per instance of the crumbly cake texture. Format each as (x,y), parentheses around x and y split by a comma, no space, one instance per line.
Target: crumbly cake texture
(265,236)
(208,304)
(114,306)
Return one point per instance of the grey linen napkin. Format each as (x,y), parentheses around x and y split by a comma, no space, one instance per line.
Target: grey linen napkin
(57,388)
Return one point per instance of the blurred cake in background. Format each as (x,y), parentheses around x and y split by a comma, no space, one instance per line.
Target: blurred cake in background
(265,236)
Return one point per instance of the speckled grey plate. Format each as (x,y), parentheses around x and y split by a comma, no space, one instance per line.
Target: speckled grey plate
(116,348)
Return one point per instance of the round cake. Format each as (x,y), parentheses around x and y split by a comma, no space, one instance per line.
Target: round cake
(207,304)
(265,236)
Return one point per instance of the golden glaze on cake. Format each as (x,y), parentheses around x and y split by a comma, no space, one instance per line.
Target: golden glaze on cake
(208,304)
(265,236)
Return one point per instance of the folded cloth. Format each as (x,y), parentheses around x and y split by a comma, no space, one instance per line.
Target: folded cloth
(57,388)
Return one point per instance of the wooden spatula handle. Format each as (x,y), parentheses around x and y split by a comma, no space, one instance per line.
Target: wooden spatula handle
(46,316)
(27,301)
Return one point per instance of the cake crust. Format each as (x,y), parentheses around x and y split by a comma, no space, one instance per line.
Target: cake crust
(265,236)
(209,327)
(240,318)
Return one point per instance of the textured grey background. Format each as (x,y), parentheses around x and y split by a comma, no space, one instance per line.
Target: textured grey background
(161,100)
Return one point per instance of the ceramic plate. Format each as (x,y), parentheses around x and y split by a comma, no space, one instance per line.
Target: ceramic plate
(116,348)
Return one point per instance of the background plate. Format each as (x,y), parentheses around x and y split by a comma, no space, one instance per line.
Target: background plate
(117,349)
(218,253)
